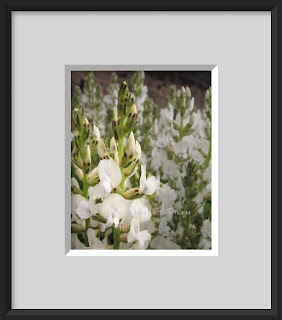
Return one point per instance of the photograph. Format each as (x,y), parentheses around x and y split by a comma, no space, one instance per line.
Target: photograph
(141,159)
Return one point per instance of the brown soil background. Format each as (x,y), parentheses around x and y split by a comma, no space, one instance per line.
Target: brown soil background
(158,82)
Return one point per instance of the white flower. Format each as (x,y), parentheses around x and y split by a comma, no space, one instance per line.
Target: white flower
(86,208)
(163,227)
(75,242)
(94,242)
(114,208)
(160,242)
(76,199)
(140,238)
(163,141)
(83,210)
(206,229)
(205,243)
(170,169)
(207,174)
(159,157)
(109,175)
(166,196)
(141,209)
(149,186)
(181,149)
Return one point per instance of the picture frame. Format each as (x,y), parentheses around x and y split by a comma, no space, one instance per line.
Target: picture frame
(7,7)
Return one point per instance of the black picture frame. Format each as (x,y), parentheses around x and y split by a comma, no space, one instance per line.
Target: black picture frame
(6,9)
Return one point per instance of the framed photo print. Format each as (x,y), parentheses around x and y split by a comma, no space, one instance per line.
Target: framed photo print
(139,158)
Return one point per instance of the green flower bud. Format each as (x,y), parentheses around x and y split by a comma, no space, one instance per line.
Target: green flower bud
(96,133)
(77,117)
(192,118)
(102,150)
(93,177)
(131,193)
(176,126)
(78,172)
(87,161)
(129,103)
(113,150)
(129,170)
(76,156)
(130,146)
(131,120)
(137,150)
(123,91)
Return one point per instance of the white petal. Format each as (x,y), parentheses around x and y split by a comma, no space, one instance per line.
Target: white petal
(143,178)
(99,190)
(116,221)
(75,183)
(94,242)
(75,201)
(151,185)
(111,169)
(107,184)
(75,242)
(83,210)
(142,239)
(114,202)
(134,230)
(141,209)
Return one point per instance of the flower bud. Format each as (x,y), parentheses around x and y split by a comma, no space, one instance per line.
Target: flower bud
(123,90)
(129,103)
(88,156)
(102,150)
(78,172)
(130,146)
(191,104)
(125,227)
(137,150)
(176,125)
(131,120)
(131,193)
(133,110)
(123,237)
(93,177)
(77,158)
(188,92)
(84,130)
(117,189)
(113,146)
(129,171)
(192,119)
(96,133)
(207,123)
(76,228)
(113,150)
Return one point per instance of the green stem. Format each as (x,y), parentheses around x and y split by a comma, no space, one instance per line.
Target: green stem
(120,154)
(116,237)
(185,231)
(181,129)
(87,221)
(208,158)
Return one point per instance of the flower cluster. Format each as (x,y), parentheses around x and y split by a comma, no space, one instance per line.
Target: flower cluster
(125,198)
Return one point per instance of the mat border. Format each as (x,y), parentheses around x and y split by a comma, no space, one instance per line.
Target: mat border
(6,9)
